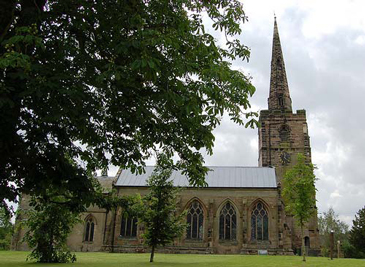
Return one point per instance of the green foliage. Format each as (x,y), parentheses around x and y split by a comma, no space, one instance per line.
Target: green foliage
(327,222)
(6,229)
(299,192)
(159,210)
(357,234)
(49,223)
(119,78)
(351,252)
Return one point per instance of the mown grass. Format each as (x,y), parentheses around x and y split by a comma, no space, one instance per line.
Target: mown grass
(98,259)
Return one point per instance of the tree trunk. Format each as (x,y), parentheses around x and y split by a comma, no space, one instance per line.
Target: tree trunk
(152,253)
(303,244)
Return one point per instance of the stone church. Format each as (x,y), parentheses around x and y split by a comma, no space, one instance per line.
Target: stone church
(241,210)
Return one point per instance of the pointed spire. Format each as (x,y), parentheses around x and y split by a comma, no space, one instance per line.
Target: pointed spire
(279,98)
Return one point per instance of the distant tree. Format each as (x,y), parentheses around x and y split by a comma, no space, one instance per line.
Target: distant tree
(159,215)
(87,79)
(357,234)
(327,222)
(6,229)
(299,193)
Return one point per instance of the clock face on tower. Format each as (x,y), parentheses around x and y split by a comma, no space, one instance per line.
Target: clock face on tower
(285,157)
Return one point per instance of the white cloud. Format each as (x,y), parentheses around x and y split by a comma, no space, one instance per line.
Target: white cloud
(335,194)
(360,40)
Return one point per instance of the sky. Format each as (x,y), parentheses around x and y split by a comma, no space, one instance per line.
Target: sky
(323,44)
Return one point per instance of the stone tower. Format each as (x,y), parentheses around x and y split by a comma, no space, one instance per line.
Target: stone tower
(282,135)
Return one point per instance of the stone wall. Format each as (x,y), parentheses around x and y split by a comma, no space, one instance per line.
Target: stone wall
(107,225)
(212,201)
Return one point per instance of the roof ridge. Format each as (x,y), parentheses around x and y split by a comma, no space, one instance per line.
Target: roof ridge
(233,166)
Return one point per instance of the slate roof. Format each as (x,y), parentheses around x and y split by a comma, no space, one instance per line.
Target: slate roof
(225,177)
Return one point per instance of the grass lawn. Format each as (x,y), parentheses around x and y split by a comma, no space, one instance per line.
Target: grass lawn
(17,258)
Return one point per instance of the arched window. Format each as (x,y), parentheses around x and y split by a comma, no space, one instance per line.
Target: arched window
(195,219)
(259,223)
(228,222)
(284,132)
(89,229)
(129,226)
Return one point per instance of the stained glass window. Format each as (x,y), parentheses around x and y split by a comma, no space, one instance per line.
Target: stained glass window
(89,229)
(195,220)
(129,226)
(259,223)
(228,222)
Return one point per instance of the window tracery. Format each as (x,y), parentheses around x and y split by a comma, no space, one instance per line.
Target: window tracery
(228,222)
(195,221)
(89,229)
(259,223)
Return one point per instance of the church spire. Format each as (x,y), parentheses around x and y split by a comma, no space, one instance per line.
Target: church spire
(279,98)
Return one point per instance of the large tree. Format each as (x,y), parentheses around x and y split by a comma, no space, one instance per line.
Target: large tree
(159,213)
(109,82)
(299,193)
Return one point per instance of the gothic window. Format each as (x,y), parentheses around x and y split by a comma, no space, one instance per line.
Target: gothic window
(228,222)
(284,132)
(89,229)
(129,226)
(195,219)
(259,223)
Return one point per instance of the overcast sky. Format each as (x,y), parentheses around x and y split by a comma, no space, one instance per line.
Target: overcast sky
(323,44)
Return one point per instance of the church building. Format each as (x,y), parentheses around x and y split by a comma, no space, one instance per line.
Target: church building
(241,209)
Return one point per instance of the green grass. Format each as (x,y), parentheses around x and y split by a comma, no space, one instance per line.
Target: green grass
(17,258)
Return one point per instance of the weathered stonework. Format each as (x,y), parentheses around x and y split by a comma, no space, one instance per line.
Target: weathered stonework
(282,132)
(279,98)
(212,201)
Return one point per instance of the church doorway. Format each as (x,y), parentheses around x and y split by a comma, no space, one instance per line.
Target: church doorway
(307,242)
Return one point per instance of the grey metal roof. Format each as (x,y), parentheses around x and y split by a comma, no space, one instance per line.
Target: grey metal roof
(229,177)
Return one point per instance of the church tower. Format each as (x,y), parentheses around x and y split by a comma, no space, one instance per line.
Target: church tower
(283,133)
